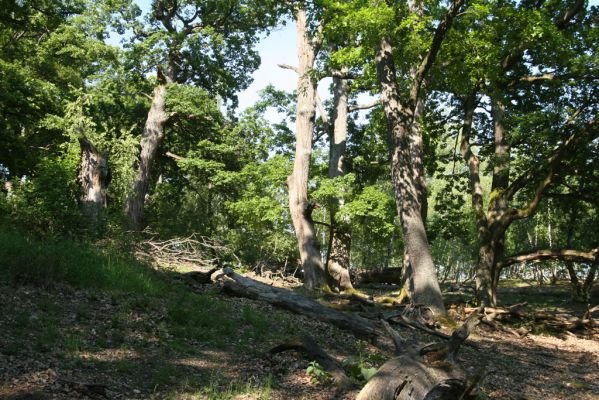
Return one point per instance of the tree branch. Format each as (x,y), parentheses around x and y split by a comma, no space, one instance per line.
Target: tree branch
(323,113)
(398,341)
(551,254)
(287,66)
(364,106)
(429,58)
(552,164)
(471,158)
(561,22)
(174,156)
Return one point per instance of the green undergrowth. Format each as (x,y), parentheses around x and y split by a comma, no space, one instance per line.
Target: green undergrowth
(81,265)
(75,301)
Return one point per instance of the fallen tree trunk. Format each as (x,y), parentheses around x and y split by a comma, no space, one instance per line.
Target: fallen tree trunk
(385,275)
(246,287)
(557,321)
(428,373)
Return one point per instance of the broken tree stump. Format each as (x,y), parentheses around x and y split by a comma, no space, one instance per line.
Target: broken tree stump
(426,373)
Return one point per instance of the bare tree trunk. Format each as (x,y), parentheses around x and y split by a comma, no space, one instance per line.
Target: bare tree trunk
(299,206)
(94,177)
(407,170)
(338,262)
(152,136)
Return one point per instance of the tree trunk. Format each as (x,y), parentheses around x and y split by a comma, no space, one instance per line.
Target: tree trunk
(589,280)
(407,169)
(338,262)
(152,136)
(246,287)
(429,373)
(299,206)
(94,177)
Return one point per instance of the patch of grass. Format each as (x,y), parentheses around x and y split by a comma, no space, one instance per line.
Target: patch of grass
(73,342)
(22,319)
(256,320)
(47,338)
(217,389)
(125,366)
(80,265)
(200,317)
(180,346)
(166,375)
(82,312)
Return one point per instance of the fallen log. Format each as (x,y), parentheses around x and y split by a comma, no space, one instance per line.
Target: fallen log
(314,352)
(385,275)
(238,285)
(558,321)
(430,372)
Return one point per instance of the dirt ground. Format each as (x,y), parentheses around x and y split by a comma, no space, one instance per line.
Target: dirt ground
(79,351)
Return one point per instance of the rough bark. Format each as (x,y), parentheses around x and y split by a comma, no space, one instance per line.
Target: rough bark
(152,136)
(246,287)
(405,148)
(93,178)
(299,205)
(423,373)
(338,261)
(406,171)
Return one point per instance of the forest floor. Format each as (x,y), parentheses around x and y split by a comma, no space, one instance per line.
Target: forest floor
(58,342)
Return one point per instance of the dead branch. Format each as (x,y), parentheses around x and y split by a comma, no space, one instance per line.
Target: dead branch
(198,250)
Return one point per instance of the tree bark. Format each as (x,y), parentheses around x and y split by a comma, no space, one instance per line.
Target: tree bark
(93,178)
(299,206)
(152,136)
(406,172)
(338,261)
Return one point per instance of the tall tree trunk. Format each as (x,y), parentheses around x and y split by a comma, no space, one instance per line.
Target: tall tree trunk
(152,136)
(299,206)
(580,290)
(338,261)
(486,250)
(407,169)
(574,281)
(498,208)
(94,177)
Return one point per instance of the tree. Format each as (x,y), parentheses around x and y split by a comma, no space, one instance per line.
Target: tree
(48,49)
(508,75)
(93,177)
(403,115)
(207,43)
(308,46)
(339,253)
